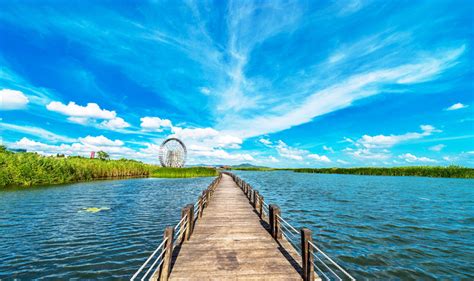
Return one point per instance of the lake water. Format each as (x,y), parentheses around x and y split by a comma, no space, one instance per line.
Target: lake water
(46,233)
(376,227)
(380,227)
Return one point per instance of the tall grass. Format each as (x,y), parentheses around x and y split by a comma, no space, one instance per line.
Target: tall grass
(192,172)
(420,171)
(28,169)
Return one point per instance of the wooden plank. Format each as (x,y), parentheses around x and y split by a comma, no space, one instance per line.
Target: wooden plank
(230,242)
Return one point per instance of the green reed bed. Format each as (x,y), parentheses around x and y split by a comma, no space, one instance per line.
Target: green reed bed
(29,169)
(419,171)
(192,172)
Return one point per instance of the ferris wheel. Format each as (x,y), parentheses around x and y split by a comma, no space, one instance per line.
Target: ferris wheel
(172,153)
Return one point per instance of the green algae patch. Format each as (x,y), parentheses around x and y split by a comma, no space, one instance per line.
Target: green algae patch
(94,209)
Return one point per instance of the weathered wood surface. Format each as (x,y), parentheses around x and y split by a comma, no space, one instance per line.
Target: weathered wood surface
(230,242)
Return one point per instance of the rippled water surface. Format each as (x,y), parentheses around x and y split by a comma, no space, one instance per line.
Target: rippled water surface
(381,227)
(50,233)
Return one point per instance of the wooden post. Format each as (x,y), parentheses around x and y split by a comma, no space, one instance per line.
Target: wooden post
(168,252)
(260,205)
(201,206)
(256,195)
(274,221)
(204,198)
(183,230)
(307,254)
(208,198)
(190,224)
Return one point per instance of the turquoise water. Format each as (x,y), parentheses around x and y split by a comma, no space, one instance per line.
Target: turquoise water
(378,227)
(46,233)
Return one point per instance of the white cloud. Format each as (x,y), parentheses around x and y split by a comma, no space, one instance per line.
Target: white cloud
(448,158)
(114,124)
(223,155)
(328,149)
(320,158)
(266,142)
(412,158)
(79,120)
(437,147)
(205,90)
(376,147)
(289,152)
(155,124)
(273,159)
(194,133)
(91,110)
(12,99)
(457,106)
(364,153)
(342,162)
(382,141)
(206,137)
(100,141)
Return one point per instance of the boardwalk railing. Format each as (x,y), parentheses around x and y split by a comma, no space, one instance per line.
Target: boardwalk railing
(313,259)
(158,264)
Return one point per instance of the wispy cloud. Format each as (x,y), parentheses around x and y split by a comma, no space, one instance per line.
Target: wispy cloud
(376,147)
(437,147)
(37,132)
(410,158)
(344,93)
(457,106)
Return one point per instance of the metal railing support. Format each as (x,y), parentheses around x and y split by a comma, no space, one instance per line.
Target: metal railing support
(168,250)
(307,254)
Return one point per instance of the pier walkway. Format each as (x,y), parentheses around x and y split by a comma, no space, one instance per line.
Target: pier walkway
(229,242)
(231,233)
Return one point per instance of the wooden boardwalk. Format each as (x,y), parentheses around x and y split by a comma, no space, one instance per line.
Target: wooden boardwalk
(230,242)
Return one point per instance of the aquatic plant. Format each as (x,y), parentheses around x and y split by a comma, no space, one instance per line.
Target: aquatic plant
(28,169)
(191,172)
(419,171)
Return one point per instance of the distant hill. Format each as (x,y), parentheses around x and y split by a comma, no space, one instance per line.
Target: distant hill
(247,165)
(243,165)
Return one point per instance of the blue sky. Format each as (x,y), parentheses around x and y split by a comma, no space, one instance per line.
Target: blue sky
(284,84)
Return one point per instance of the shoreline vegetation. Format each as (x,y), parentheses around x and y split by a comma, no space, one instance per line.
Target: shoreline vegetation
(417,171)
(31,169)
